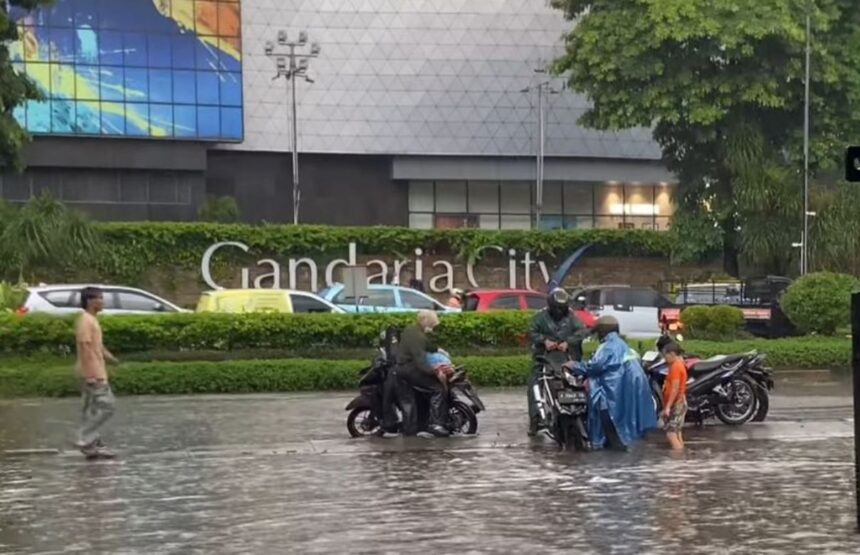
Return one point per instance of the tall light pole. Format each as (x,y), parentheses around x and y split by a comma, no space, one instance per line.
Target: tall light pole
(804,253)
(292,64)
(543,88)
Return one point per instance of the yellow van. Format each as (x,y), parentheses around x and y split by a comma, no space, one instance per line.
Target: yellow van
(238,301)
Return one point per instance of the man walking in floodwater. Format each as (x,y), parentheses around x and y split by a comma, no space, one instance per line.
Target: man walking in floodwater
(98,399)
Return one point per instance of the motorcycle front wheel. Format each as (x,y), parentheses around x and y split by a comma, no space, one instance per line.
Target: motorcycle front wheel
(762,403)
(571,433)
(462,420)
(362,423)
(742,403)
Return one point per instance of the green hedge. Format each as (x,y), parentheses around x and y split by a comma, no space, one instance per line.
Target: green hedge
(52,376)
(55,379)
(820,302)
(133,249)
(227,332)
(719,323)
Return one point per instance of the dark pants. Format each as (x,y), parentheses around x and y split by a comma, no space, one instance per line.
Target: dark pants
(534,414)
(413,378)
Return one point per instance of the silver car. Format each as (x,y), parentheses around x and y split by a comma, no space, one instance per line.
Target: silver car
(66,299)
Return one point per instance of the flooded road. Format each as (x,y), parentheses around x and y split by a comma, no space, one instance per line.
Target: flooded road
(277,474)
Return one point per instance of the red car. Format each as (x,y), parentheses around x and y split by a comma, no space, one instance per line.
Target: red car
(485,300)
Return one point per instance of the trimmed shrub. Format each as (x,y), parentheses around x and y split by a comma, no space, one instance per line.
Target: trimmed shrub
(249,376)
(820,303)
(718,323)
(228,332)
(53,376)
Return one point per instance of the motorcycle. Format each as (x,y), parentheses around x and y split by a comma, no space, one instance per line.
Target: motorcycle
(562,401)
(366,409)
(755,369)
(719,387)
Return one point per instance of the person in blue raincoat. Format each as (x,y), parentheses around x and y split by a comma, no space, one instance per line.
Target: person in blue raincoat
(620,406)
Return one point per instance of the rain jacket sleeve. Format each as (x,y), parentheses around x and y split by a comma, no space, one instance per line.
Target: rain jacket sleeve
(604,360)
(539,331)
(575,331)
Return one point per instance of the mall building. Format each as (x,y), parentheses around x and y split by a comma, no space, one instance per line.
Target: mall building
(421,113)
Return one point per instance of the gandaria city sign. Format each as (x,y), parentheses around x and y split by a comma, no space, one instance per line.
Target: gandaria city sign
(440,272)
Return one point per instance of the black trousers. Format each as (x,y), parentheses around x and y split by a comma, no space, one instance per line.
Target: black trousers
(410,379)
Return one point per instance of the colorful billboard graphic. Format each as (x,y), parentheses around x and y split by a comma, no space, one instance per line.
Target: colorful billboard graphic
(142,68)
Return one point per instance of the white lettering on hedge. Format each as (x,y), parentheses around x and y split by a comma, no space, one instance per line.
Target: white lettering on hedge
(441,280)
(470,267)
(448,276)
(206,263)
(274,275)
(329,271)
(381,275)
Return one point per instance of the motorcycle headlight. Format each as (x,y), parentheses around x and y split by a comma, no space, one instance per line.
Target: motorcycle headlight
(572,379)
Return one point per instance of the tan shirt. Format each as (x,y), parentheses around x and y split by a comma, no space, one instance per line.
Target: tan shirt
(90,348)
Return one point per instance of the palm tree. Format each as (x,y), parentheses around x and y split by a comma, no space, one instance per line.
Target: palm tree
(43,236)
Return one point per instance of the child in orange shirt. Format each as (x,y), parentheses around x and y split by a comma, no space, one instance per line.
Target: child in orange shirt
(674,396)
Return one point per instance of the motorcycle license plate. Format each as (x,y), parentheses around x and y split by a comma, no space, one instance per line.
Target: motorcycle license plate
(650,356)
(571,397)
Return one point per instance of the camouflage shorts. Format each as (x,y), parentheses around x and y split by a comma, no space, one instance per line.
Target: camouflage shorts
(675,422)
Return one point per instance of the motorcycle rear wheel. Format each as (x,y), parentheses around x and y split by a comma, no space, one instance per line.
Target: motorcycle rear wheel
(462,419)
(362,423)
(742,405)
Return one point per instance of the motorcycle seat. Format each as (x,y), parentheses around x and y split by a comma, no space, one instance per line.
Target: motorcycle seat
(715,363)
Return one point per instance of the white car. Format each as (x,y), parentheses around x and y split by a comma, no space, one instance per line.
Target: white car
(637,309)
(61,300)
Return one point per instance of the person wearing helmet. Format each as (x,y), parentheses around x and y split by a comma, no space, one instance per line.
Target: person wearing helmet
(555,328)
(456,298)
(620,406)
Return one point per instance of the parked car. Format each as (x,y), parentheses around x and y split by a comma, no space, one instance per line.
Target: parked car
(237,301)
(383,298)
(66,299)
(485,300)
(636,308)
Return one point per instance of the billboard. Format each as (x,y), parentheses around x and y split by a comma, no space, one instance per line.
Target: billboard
(136,68)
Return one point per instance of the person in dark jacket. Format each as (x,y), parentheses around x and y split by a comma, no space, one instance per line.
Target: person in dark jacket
(554,328)
(413,368)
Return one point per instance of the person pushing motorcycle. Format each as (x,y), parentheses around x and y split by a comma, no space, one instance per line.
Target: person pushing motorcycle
(554,328)
(620,406)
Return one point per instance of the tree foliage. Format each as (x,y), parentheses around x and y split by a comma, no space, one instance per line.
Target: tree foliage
(223,210)
(720,82)
(44,236)
(15,88)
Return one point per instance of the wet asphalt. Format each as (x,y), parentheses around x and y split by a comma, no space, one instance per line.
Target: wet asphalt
(279,474)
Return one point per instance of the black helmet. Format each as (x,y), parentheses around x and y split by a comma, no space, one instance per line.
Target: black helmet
(558,303)
(605,325)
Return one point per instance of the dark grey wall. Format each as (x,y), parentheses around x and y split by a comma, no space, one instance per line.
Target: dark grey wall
(126,179)
(337,189)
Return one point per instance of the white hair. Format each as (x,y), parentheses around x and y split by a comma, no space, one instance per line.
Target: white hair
(427,319)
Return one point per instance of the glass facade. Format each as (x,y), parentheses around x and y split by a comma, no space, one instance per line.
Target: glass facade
(566,205)
(147,68)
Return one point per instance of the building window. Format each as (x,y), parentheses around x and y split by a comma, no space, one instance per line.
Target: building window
(566,205)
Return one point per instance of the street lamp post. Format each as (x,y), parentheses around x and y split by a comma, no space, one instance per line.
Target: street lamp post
(543,89)
(804,253)
(291,63)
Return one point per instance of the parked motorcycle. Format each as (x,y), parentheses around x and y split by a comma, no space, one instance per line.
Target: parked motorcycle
(562,401)
(755,369)
(365,416)
(720,387)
